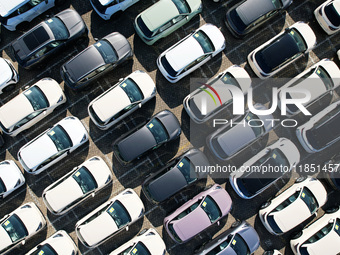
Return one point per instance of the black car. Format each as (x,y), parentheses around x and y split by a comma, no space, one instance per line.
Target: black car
(2,142)
(332,172)
(175,176)
(241,238)
(48,38)
(248,15)
(96,60)
(163,127)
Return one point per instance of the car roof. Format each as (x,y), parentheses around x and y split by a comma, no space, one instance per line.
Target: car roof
(159,13)
(251,10)
(7,7)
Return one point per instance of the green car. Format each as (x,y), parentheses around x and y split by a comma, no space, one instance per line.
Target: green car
(164,17)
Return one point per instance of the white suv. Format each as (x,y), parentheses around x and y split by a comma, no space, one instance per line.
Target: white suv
(15,12)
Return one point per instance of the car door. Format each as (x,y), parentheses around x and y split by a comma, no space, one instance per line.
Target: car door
(43,5)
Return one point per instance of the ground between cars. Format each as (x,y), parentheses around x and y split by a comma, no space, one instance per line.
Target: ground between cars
(170,96)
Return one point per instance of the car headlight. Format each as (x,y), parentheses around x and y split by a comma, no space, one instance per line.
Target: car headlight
(83,139)
(60,99)
(154,91)
(200,7)
(141,213)
(40,226)
(18,183)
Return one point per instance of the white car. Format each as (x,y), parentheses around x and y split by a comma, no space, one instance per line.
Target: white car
(60,243)
(328,16)
(320,79)
(122,99)
(293,206)
(201,106)
(110,218)
(73,188)
(191,52)
(52,145)
(19,226)
(320,237)
(8,75)
(31,106)
(283,49)
(106,8)
(321,131)
(11,178)
(15,12)
(248,182)
(148,241)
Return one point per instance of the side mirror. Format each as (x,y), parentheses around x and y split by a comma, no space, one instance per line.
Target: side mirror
(23,242)
(140,105)
(127,228)
(218,223)
(96,39)
(44,112)
(93,194)
(121,79)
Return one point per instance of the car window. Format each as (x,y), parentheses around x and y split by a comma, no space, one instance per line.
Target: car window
(3,188)
(119,214)
(46,249)
(60,138)
(28,118)
(15,228)
(58,28)
(36,97)
(211,209)
(29,5)
(204,41)
(321,233)
(256,124)
(138,249)
(185,167)
(287,202)
(107,52)
(85,180)
(132,90)
(50,159)
(114,2)
(182,6)
(163,28)
(332,14)
(326,79)
(309,199)
(178,18)
(158,131)
(277,4)
(220,247)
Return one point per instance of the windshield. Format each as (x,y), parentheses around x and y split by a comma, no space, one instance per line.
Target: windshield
(60,138)
(185,166)
(85,180)
(255,123)
(36,97)
(132,90)
(204,41)
(309,199)
(58,28)
(158,131)
(15,228)
(119,214)
(46,249)
(182,6)
(300,42)
(211,209)
(106,51)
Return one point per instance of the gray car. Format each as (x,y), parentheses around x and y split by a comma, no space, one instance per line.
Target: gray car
(241,238)
(175,176)
(228,140)
(48,37)
(248,15)
(163,127)
(96,60)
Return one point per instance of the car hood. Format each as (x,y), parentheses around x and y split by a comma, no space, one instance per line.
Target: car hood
(145,140)
(63,194)
(38,151)
(5,72)
(72,20)
(15,110)
(98,229)
(167,184)
(5,239)
(287,218)
(235,139)
(249,11)
(119,43)
(191,224)
(84,63)
(111,103)
(189,48)
(158,14)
